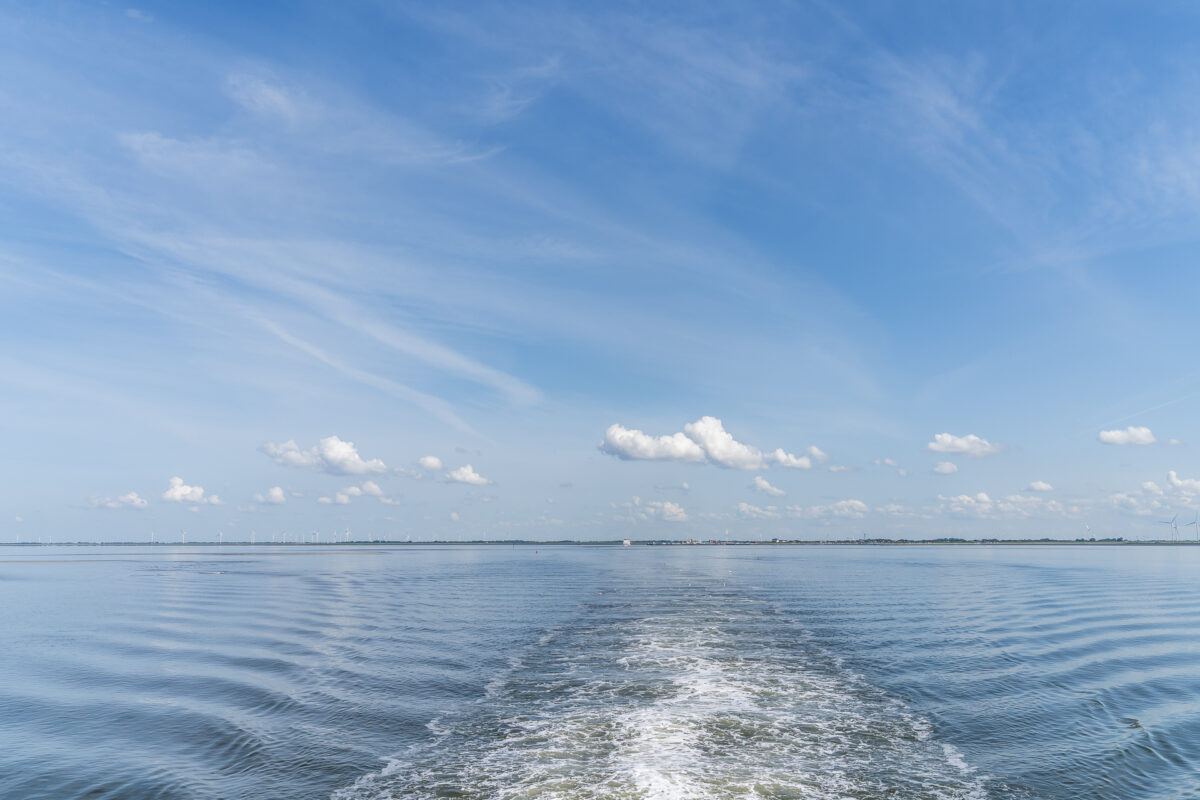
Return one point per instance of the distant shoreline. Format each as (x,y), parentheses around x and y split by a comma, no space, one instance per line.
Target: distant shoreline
(647,543)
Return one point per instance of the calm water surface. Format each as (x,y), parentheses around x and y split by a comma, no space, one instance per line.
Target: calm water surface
(363,673)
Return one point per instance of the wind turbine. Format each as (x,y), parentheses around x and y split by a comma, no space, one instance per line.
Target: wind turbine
(1174,526)
(1196,524)
(220,537)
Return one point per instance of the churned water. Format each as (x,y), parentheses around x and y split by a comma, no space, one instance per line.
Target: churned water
(365,673)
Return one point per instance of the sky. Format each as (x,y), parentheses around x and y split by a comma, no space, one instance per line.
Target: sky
(554,271)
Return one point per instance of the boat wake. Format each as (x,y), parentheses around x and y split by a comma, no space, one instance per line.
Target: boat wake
(687,695)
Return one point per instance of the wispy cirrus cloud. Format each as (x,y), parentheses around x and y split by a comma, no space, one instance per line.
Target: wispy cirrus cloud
(264,95)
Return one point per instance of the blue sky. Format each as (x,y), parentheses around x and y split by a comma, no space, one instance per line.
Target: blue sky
(280,253)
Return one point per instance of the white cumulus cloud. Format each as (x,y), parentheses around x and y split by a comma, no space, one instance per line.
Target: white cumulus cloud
(1014,506)
(1131,435)
(1150,500)
(895,510)
(890,462)
(632,444)
(977,505)
(342,457)
(720,446)
(431,463)
(274,496)
(764,486)
(1040,486)
(945,468)
(127,500)
(704,440)
(466,474)
(1187,484)
(665,510)
(969,445)
(842,509)
(754,512)
(180,492)
(290,455)
(344,496)
(330,454)
(790,460)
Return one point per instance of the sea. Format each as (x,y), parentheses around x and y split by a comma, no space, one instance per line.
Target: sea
(365,672)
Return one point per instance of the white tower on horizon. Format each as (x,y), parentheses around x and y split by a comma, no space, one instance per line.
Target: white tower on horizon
(1173,522)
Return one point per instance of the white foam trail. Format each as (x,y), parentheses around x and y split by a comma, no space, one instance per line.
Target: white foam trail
(708,700)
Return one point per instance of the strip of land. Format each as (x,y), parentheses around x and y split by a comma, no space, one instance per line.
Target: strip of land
(1116,541)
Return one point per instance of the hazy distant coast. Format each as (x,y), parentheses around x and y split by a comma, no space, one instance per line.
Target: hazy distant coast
(617,543)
